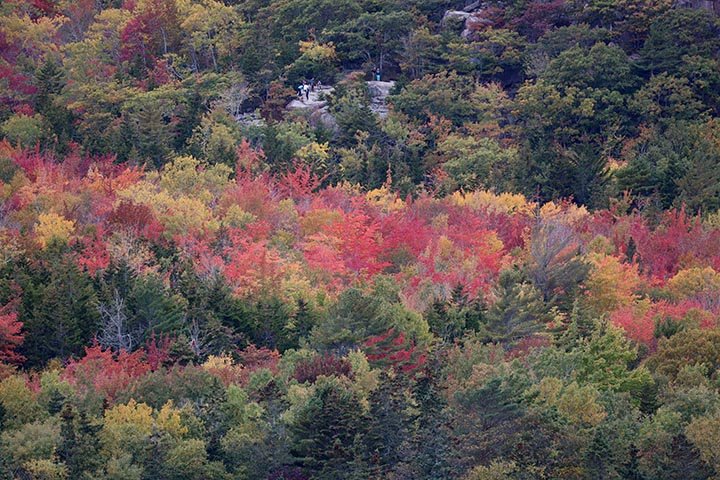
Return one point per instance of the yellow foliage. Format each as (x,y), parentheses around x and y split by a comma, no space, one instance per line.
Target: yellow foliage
(384,199)
(125,248)
(46,469)
(494,203)
(187,214)
(579,404)
(296,397)
(218,362)
(52,226)
(704,433)
(496,470)
(601,245)
(712,220)
(314,221)
(314,154)
(126,426)
(180,214)
(318,51)
(569,214)
(187,176)
(237,217)
(142,192)
(19,402)
(9,249)
(365,378)
(691,282)
(611,284)
(168,420)
(32,34)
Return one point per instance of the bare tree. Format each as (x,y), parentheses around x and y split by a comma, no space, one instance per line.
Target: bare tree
(555,258)
(115,332)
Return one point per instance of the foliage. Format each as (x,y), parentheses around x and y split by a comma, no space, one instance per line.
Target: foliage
(499,261)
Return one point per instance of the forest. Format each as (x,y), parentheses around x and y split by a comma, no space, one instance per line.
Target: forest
(503,266)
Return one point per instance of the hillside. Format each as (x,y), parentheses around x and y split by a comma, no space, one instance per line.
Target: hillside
(484,245)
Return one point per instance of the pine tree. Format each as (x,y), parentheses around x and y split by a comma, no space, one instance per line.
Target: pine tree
(60,314)
(519,310)
(388,426)
(325,429)
(79,446)
(427,450)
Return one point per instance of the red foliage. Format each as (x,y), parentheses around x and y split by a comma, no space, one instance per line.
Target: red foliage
(300,183)
(253,358)
(348,248)
(679,241)
(526,345)
(322,365)
(157,351)
(252,266)
(150,34)
(11,336)
(102,372)
(540,16)
(248,158)
(138,219)
(640,326)
(94,256)
(404,233)
(253,194)
(465,242)
(392,349)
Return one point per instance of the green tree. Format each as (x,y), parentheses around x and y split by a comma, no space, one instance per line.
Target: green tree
(59,311)
(325,428)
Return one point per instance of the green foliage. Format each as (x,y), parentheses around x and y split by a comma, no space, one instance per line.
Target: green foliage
(60,312)
(358,315)
(23,130)
(492,239)
(324,429)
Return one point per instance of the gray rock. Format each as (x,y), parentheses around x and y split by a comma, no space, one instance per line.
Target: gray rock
(379,92)
(454,16)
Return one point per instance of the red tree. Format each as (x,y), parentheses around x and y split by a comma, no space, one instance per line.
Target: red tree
(10,336)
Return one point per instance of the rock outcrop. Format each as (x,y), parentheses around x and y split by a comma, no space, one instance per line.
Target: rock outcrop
(711,5)
(472,18)
(317,107)
(379,92)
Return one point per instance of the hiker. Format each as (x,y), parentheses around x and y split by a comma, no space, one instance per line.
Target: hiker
(300,91)
(312,84)
(306,88)
(376,71)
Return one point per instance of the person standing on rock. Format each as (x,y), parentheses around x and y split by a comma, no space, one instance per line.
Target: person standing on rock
(300,90)
(306,89)
(376,71)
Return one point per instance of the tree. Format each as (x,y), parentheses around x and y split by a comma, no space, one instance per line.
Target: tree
(11,336)
(555,268)
(324,429)
(60,314)
(388,427)
(445,94)
(114,332)
(519,311)
(78,448)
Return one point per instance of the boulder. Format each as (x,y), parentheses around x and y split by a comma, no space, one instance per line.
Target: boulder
(454,16)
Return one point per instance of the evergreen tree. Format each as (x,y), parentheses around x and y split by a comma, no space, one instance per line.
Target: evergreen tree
(388,426)
(60,313)
(325,428)
(79,445)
